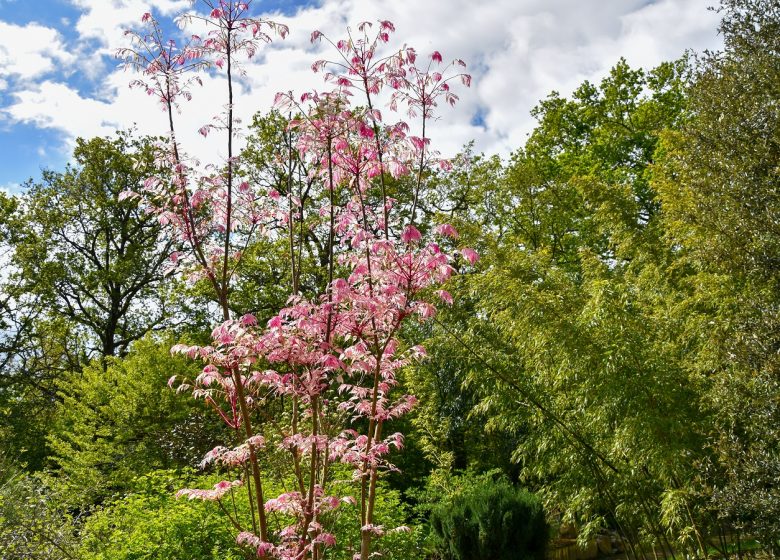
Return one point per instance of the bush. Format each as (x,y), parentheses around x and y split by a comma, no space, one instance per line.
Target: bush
(33,525)
(489,520)
(150,523)
(389,512)
(122,420)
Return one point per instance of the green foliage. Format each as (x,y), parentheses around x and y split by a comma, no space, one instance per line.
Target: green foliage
(122,420)
(489,520)
(42,351)
(717,177)
(83,278)
(150,523)
(91,257)
(616,348)
(445,430)
(564,342)
(34,524)
(392,514)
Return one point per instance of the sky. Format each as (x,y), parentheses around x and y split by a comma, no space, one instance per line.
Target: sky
(60,80)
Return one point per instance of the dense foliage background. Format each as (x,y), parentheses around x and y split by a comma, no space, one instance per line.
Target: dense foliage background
(615,352)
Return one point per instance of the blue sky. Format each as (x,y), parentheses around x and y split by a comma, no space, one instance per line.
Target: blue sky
(58,79)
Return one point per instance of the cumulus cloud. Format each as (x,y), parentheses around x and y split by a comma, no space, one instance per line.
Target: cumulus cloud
(55,105)
(30,51)
(106,22)
(517,50)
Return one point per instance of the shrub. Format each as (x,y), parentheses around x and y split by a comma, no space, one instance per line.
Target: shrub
(490,520)
(121,420)
(33,525)
(151,523)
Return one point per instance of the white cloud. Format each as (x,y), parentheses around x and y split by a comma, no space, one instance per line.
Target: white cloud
(10,188)
(106,21)
(56,106)
(30,51)
(102,24)
(517,50)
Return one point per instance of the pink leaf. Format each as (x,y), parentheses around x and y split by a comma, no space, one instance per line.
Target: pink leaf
(248,320)
(445,296)
(125,195)
(410,234)
(445,165)
(447,230)
(470,255)
(366,131)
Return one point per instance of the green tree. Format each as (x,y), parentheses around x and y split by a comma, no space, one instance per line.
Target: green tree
(118,419)
(94,258)
(718,180)
(445,430)
(569,343)
(84,278)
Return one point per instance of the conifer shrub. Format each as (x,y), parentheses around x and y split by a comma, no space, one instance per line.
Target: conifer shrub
(491,520)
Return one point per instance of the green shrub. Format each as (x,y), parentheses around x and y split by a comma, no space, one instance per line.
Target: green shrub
(33,525)
(151,524)
(489,520)
(389,512)
(120,421)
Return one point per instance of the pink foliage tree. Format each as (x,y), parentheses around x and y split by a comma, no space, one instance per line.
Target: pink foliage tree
(333,358)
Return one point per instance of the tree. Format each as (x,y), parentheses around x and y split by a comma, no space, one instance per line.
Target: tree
(718,182)
(95,259)
(345,341)
(116,420)
(84,279)
(572,301)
